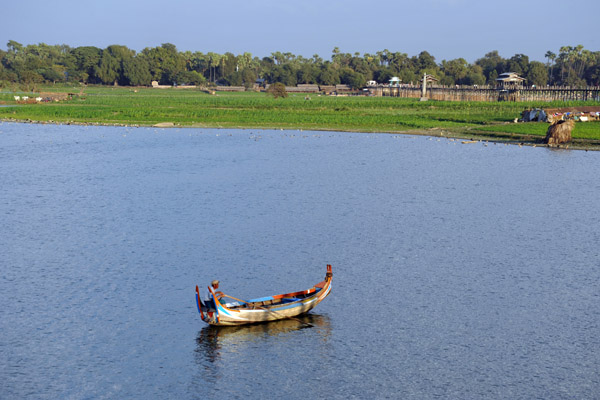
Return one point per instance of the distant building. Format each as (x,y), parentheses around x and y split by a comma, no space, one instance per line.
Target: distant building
(157,86)
(327,89)
(303,88)
(510,79)
(342,88)
(395,81)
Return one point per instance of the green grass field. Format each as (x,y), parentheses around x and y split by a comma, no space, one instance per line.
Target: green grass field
(145,106)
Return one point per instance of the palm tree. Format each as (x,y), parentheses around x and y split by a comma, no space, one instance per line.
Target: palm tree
(214,60)
(551,57)
(386,57)
(564,58)
(243,61)
(379,57)
(335,55)
(584,58)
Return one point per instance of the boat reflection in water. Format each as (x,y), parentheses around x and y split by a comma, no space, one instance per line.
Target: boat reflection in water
(212,340)
(220,349)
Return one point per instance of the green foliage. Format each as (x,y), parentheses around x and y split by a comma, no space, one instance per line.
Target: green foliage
(284,74)
(108,69)
(593,75)
(86,60)
(518,63)
(30,80)
(190,78)
(111,68)
(248,77)
(475,76)
(136,71)
(492,65)
(235,79)
(329,75)
(426,62)
(351,78)
(537,74)
(165,63)
(572,65)
(308,73)
(457,70)
(51,75)
(384,74)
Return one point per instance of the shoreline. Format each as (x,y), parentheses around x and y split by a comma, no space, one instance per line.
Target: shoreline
(471,137)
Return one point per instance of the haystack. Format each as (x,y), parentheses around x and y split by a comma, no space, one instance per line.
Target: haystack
(54,96)
(559,132)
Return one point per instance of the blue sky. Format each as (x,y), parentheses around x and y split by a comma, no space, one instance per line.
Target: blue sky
(446,28)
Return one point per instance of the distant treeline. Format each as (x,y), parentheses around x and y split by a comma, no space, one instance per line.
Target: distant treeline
(31,65)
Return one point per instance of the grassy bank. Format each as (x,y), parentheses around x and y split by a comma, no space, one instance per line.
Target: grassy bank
(144,106)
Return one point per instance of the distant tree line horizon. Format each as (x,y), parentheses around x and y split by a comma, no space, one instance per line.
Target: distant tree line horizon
(35,64)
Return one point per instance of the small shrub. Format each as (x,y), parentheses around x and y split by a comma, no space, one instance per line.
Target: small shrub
(277,90)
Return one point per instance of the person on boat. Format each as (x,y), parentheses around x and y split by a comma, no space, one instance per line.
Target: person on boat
(208,300)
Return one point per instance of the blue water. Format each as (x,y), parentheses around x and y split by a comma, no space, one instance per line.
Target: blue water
(460,270)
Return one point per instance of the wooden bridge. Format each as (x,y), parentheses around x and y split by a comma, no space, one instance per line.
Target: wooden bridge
(491,94)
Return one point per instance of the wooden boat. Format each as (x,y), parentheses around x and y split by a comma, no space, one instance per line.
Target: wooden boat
(270,308)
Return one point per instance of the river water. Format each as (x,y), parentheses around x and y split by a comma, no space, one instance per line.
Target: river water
(460,270)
